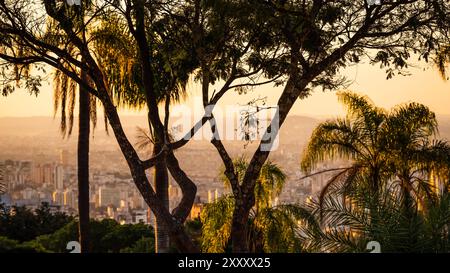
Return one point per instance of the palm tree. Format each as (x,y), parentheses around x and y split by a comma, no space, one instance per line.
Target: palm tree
(388,187)
(349,226)
(65,95)
(382,147)
(116,51)
(273,228)
(410,151)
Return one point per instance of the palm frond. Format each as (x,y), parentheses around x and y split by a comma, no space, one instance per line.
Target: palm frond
(144,140)
(442,61)
(216,230)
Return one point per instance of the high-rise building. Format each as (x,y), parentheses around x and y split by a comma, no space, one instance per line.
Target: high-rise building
(37,176)
(48,173)
(196,210)
(213,196)
(174,192)
(210,197)
(2,178)
(58,197)
(137,202)
(174,196)
(59,177)
(108,196)
(70,199)
(64,157)
(216,195)
(140,216)
(42,173)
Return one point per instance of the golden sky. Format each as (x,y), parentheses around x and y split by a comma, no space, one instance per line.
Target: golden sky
(423,86)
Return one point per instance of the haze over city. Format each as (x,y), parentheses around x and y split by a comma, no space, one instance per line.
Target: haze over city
(423,86)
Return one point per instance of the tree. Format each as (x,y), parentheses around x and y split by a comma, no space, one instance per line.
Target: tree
(48,46)
(389,192)
(382,147)
(311,41)
(65,93)
(273,228)
(135,15)
(117,52)
(349,226)
(297,44)
(25,224)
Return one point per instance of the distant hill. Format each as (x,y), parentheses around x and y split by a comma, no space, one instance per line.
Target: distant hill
(296,128)
(30,126)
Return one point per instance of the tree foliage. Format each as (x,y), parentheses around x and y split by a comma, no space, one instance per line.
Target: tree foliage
(395,190)
(23,224)
(273,228)
(382,147)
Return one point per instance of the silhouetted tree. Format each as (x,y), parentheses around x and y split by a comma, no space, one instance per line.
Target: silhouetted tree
(23,224)
(297,44)
(395,189)
(272,227)
(383,147)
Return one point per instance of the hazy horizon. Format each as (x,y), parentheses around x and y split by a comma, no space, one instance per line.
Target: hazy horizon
(423,86)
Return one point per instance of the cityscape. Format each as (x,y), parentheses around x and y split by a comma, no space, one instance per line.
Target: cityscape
(49,174)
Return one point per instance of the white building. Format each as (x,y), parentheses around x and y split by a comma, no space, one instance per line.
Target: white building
(59,177)
(140,216)
(108,196)
(70,199)
(213,196)
(2,177)
(58,197)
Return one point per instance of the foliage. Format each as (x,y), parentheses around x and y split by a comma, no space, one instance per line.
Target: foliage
(216,230)
(12,246)
(106,236)
(442,60)
(272,228)
(23,224)
(381,146)
(143,245)
(194,229)
(395,190)
(22,230)
(349,226)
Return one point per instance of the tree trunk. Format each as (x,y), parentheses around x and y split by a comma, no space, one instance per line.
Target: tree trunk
(176,230)
(161,182)
(83,168)
(239,228)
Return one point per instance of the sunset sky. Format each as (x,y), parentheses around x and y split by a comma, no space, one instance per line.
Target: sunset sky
(426,87)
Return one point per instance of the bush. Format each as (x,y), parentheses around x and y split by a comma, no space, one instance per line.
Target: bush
(25,225)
